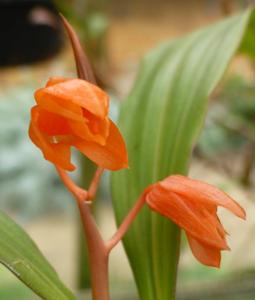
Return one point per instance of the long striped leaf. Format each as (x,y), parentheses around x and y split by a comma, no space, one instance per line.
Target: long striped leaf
(161,120)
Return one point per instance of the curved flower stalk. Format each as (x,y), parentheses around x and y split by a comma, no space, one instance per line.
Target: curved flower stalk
(192,205)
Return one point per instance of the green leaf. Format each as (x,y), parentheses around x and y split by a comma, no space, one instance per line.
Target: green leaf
(161,120)
(21,256)
(248,46)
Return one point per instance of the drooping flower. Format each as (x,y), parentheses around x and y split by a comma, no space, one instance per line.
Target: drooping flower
(74,112)
(192,205)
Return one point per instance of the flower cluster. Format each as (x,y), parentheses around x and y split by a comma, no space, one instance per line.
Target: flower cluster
(74,112)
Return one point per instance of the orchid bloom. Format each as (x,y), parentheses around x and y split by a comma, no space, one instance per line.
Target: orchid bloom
(74,112)
(192,205)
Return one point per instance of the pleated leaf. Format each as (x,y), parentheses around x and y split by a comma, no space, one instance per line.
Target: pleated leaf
(21,256)
(161,120)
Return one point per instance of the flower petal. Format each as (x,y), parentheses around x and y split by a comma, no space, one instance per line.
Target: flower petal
(59,106)
(82,94)
(193,217)
(207,255)
(52,124)
(59,154)
(56,80)
(92,129)
(202,192)
(112,155)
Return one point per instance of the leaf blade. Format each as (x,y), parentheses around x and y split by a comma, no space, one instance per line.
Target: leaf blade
(161,121)
(21,256)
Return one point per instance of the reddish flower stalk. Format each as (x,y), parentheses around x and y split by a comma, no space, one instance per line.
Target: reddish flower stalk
(123,228)
(94,184)
(98,254)
(98,250)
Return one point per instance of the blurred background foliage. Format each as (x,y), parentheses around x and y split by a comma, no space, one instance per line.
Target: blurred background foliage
(115,35)
(229,129)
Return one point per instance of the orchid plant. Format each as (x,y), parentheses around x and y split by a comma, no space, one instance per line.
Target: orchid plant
(160,122)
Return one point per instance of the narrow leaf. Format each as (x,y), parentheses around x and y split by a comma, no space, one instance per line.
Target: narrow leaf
(21,256)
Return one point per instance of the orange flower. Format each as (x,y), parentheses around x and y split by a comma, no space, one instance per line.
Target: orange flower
(74,112)
(192,205)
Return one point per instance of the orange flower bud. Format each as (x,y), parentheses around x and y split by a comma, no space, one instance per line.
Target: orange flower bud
(192,205)
(74,112)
